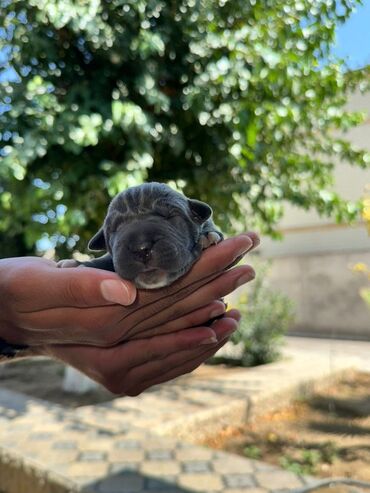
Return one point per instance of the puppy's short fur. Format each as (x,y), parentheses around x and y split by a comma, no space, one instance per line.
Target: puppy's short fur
(152,235)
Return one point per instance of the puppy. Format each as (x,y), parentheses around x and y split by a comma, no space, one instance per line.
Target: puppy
(152,235)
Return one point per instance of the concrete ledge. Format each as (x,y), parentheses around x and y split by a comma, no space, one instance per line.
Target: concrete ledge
(20,475)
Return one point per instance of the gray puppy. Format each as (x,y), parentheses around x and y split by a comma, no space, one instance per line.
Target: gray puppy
(152,235)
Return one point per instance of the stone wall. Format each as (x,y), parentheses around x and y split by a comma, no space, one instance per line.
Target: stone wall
(326,293)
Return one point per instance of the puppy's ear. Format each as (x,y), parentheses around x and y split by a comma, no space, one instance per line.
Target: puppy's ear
(97,242)
(200,211)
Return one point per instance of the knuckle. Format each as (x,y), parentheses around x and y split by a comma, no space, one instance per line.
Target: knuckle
(75,293)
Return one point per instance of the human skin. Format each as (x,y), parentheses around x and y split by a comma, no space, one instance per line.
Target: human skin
(127,340)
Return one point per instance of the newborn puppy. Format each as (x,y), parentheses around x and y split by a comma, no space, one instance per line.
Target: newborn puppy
(152,235)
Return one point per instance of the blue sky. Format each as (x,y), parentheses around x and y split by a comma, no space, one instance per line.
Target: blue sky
(353,38)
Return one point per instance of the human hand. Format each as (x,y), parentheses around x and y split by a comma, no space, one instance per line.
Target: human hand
(131,367)
(52,314)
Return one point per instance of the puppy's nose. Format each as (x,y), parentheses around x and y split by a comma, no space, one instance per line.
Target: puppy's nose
(142,251)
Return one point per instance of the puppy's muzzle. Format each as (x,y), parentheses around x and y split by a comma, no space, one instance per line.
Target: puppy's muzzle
(142,251)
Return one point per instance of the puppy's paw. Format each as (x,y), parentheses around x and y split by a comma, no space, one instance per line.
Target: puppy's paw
(68,263)
(210,238)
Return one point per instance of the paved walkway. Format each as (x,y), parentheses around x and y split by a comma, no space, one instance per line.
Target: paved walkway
(144,444)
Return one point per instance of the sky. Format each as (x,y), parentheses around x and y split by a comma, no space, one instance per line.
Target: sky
(353,38)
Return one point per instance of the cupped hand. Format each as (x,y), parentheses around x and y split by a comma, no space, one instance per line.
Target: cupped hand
(133,366)
(125,340)
(42,304)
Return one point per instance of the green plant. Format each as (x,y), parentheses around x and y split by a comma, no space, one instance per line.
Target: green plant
(239,103)
(297,466)
(266,316)
(252,452)
(309,459)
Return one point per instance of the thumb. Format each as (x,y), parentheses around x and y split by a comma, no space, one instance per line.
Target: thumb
(86,286)
(82,287)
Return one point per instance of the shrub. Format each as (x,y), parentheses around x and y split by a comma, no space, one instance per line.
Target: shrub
(266,316)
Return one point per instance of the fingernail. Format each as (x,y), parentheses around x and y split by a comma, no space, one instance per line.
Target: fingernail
(244,249)
(209,340)
(228,333)
(244,279)
(217,311)
(116,292)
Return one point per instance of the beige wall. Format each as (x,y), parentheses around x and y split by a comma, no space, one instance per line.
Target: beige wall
(311,264)
(307,232)
(325,292)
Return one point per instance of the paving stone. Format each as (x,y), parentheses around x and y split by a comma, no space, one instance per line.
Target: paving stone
(263,466)
(277,479)
(239,480)
(77,469)
(193,453)
(92,444)
(40,436)
(65,445)
(159,454)
(197,466)
(201,482)
(126,455)
(92,456)
(55,456)
(128,444)
(152,442)
(160,468)
(229,464)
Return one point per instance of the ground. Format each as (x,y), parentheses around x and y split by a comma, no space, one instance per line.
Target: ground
(42,378)
(325,435)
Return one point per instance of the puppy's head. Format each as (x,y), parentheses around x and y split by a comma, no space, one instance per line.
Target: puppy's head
(152,233)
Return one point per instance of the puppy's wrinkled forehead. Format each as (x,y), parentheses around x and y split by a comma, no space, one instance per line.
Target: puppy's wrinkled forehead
(146,199)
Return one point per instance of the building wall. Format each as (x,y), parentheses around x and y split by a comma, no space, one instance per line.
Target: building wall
(325,292)
(312,263)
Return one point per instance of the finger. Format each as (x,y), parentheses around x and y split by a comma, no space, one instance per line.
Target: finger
(104,364)
(154,349)
(75,287)
(73,327)
(212,262)
(219,287)
(155,356)
(174,371)
(107,326)
(189,363)
(192,319)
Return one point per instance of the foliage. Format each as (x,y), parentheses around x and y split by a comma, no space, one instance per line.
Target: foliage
(360,267)
(253,452)
(310,459)
(236,102)
(266,316)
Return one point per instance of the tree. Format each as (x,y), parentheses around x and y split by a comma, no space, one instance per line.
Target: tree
(237,102)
